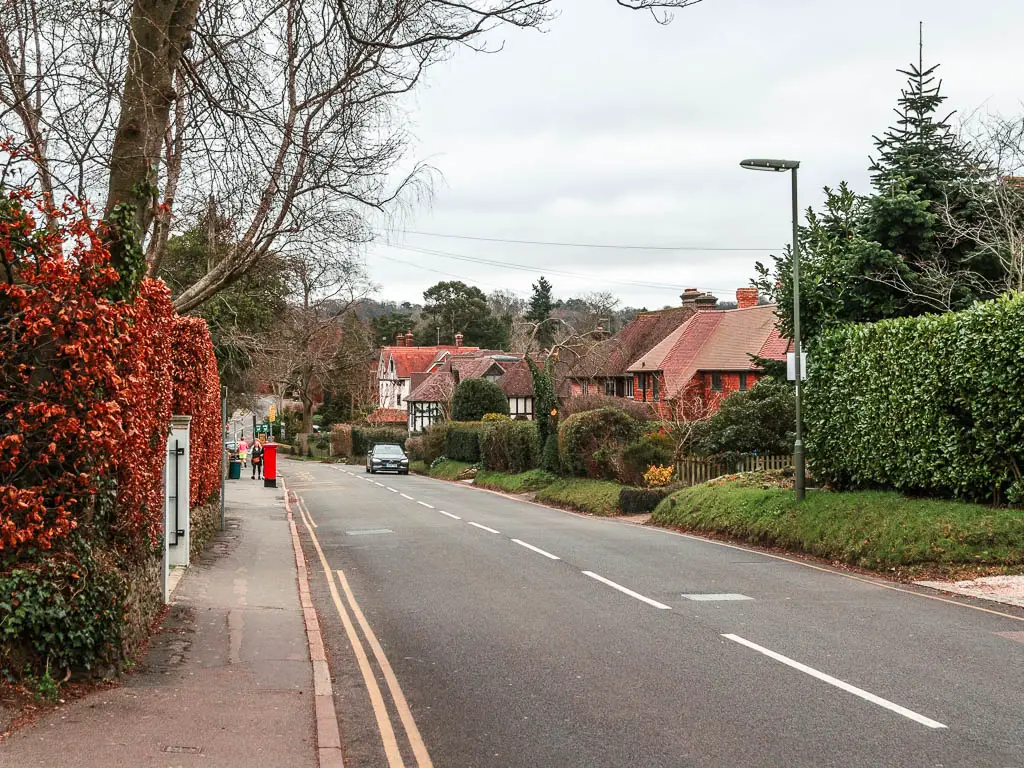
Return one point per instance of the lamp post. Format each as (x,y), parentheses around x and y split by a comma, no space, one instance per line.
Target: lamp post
(798,445)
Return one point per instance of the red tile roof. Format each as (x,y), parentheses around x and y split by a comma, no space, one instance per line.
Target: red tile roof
(410,360)
(388,416)
(517,381)
(612,356)
(714,341)
(436,387)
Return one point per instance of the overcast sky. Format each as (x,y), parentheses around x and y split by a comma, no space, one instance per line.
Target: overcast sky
(610,129)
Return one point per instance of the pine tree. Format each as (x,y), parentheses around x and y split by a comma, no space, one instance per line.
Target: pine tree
(539,312)
(923,168)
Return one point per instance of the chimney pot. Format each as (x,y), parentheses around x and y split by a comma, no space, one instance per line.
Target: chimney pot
(408,338)
(746,298)
(458,339)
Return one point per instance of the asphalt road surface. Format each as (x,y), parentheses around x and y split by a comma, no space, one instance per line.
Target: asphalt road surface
(467,629)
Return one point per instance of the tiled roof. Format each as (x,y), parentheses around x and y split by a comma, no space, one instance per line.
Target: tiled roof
(714,341)
(612,356)
(436,387)
(388,416)
(517,381)
(473,367)
(410,360)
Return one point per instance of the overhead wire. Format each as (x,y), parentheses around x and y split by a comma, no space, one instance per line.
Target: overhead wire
(584,245)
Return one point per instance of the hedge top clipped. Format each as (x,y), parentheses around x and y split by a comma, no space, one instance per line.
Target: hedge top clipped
(931,404)
(474,398)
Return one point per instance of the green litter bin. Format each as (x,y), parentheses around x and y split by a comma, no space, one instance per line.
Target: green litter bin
(234,469)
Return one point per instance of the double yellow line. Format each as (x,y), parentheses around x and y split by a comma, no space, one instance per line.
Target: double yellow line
(380,711)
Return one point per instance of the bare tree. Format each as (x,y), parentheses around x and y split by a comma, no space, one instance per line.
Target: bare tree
(283,110)
(298,356)
(997,228)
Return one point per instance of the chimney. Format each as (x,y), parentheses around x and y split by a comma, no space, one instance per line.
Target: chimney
(399,339)
(702,302)
(408,338)
(458,339)
(746,298)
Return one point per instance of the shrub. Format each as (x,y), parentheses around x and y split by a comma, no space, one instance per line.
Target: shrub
(434,441)
(760,420)
(414,448)
(364,438)
(509,446)
(462,441)
(929,404)
(474,398)
(549,460)
(496,417)
(341,440)
(634,501)
(657,477)
(591,443)
(653,449)
(638,410)
(197,394)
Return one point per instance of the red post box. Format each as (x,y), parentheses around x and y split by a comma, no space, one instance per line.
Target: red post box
(270,465)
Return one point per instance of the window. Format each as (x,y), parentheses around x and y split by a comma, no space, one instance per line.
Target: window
(716,382)
(609,387)
(399,400)
(743,382)
(584,387)
(654,387)
(629,387)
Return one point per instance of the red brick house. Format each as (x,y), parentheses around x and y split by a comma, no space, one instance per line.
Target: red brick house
(709,356)
(603,370)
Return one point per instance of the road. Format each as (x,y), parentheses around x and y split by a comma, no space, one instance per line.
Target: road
(517,635)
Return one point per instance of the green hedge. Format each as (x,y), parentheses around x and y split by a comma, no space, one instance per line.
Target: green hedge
(510,446)
(637,500)
(931,404)
(653,449)
(590,443)
(364,438)
(462,441)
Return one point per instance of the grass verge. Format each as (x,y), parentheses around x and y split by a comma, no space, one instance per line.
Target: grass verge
(419,467)
(598,497)
(869,529)
(449,469)
(524,482)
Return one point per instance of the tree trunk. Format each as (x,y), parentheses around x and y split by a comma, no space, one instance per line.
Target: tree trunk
(160,31)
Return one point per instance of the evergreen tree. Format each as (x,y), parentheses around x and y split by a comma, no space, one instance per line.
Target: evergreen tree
(539,311)
(891,253)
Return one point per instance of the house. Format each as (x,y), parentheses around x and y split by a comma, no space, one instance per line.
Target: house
(397,365)
(431,392)
(517,384)
(709,356)
(603,369)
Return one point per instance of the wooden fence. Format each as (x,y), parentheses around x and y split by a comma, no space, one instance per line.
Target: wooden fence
(693,470)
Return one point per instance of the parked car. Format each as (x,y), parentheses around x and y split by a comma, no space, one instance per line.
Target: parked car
(387,458)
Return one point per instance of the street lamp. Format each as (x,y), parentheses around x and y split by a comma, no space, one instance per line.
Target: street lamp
(798,445)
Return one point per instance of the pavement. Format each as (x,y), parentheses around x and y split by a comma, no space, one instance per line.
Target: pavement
(490,631)
(999,589)
(227,682)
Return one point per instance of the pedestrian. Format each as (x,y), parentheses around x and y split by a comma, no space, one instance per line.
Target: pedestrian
(243,450)
(257,459)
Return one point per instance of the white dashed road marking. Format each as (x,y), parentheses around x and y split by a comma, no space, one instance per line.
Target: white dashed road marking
(405,496)
(453,517)
(423,503)
(485,528)
(629,592)
(538,550)
(885,703)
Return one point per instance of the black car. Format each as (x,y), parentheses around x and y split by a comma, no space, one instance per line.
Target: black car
(387,458)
